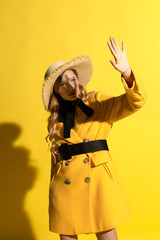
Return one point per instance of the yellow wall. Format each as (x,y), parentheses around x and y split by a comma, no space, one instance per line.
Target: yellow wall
(34,34)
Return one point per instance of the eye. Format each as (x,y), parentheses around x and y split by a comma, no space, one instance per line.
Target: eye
(73,80)
(62,84)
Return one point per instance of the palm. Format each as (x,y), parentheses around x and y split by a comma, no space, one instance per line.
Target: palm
(121,61)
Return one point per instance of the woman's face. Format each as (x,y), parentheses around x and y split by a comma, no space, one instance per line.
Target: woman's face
(68,87)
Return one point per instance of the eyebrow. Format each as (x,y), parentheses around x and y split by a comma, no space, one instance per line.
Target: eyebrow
(70,78)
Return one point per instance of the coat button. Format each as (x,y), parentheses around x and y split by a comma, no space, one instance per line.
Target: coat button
(86,140)
(67,163)
(67,181)
(86,160)
(87,179)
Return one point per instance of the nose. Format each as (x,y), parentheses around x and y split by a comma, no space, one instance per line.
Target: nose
(70,86)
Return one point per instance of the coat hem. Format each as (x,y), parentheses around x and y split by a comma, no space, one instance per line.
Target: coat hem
(96,231)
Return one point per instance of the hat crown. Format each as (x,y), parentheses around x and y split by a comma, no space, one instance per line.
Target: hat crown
(53,67)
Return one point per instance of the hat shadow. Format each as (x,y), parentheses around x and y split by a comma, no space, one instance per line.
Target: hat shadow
(16,178)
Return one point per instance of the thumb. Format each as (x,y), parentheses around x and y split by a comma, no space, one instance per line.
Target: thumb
(113,63)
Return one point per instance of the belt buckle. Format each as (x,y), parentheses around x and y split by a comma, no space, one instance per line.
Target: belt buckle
(65,152)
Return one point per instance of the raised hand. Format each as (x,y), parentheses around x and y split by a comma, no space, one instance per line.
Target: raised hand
(121,61)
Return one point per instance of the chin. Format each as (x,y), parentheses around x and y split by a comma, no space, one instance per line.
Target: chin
(73,98)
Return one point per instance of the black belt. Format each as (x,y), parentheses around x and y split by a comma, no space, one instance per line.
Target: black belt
(67,151)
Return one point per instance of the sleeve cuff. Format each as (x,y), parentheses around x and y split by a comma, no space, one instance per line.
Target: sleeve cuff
(134,87)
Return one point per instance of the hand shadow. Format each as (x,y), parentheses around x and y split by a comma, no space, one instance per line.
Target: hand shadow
(16,178)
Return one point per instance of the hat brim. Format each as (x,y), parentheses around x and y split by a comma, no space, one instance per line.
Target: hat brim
(83,66)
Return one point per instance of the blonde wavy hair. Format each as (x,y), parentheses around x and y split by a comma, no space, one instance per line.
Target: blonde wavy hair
(54,117)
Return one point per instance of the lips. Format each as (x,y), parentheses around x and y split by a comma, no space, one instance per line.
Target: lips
(72,93)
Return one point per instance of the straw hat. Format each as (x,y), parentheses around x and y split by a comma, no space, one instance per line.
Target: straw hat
(83,66)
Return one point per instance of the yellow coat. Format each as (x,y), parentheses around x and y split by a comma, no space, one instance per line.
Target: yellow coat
(94,200)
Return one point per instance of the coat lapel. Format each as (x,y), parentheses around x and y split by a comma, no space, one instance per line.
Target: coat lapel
(79,120)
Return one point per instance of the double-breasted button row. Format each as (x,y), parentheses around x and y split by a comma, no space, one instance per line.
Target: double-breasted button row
(68,181)
(87,180)
(86,160)
(67,163)
(86,140)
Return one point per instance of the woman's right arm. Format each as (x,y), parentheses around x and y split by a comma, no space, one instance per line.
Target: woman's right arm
(116,108)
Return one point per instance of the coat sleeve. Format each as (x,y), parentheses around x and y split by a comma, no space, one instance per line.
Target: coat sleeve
(113,109)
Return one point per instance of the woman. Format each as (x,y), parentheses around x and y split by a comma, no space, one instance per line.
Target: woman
(85,194)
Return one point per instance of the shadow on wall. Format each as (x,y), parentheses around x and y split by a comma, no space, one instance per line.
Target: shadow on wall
(16,178)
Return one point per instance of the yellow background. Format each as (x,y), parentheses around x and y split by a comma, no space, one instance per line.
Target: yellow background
(34,34)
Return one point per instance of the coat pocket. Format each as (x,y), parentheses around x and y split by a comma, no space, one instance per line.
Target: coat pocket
(108,170)
(100,157)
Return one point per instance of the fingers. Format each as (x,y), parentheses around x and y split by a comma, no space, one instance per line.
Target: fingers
(116,45)
(113,46)
(111,49)
(123,47)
